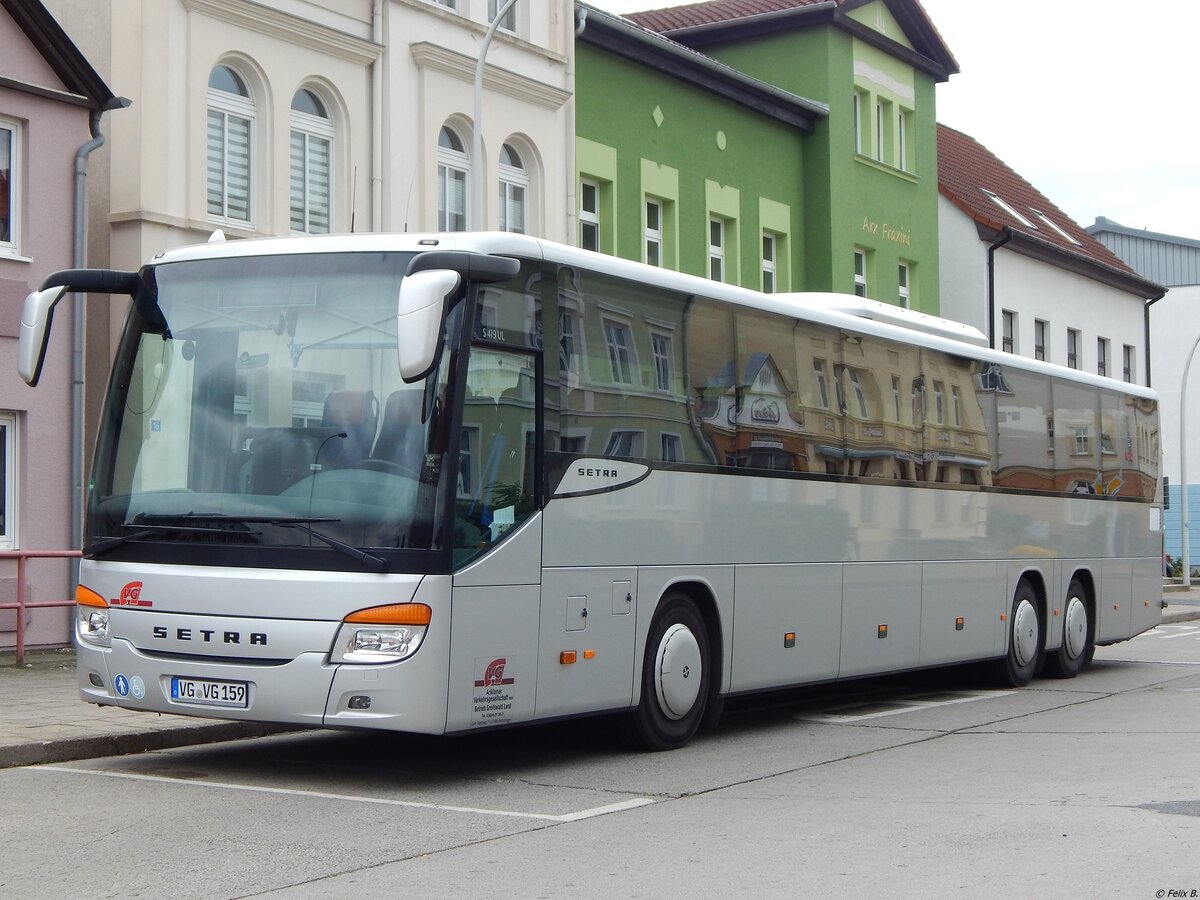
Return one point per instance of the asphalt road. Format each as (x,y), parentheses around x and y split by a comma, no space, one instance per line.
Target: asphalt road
(921,787)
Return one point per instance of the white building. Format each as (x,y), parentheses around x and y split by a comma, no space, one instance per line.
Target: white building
(1014,266)
(1174,333)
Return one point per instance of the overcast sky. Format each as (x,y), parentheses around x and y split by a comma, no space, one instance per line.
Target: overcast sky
(1094,102)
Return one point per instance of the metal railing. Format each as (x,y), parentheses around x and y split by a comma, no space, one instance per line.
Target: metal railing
(22,557)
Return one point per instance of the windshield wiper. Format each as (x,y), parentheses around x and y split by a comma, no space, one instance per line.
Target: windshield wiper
(101,547)
(150,524)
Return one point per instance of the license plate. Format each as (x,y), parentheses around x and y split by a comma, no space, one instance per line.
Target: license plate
(207,692)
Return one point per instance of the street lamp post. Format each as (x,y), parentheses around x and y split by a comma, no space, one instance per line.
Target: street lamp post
(1183,482)
(475,201)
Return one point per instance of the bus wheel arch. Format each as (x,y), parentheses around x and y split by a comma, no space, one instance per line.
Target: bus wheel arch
(680,669)
(1078,644)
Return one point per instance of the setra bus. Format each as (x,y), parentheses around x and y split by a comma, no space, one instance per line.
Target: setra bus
(449,482)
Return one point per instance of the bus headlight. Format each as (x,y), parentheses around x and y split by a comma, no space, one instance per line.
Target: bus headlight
(91,618)
(381,634)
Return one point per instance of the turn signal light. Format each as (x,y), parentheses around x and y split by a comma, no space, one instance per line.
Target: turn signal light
(567,657)
(85,596)
(393,614)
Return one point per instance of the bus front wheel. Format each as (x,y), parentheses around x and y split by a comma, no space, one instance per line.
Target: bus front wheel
(675,677)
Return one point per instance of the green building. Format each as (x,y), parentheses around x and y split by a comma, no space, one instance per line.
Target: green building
(782,144)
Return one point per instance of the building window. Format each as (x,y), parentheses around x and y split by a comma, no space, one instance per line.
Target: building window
(660,345)
(8,481)
(1127,362)
(514,188)
(905,275)
(769,265)
(716,249)
(1040,330)
(1102,356)
(1004,205)
(230,146)
(880,119)
(311,163)
(1072,348)
(939,403)
(860,272)
(956,405)
(902,140)
(449,4)
(9,182)
(453,166)
(858,122)
(653,232)
(896,396)
(508,23)
(1008,332)
(589,215)
(616,335)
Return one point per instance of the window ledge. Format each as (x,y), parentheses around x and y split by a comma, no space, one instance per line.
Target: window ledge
(885,167)
(11,254)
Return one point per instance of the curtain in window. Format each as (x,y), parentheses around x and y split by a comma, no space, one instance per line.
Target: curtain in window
(310,177)
(228,165)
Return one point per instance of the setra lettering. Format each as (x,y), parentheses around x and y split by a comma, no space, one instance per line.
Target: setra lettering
(596,473)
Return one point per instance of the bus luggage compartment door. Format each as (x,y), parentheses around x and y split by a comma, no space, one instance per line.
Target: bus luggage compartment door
(589,613)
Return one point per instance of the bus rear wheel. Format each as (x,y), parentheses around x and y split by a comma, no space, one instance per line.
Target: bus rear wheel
(1018,666)
(675,677)
(1078,641)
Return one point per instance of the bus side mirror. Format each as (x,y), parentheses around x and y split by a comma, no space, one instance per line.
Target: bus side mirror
(36,317)
(419,319)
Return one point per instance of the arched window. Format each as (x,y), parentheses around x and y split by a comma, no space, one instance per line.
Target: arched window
(514,188)
(453,166)
(230,145)
(311,163)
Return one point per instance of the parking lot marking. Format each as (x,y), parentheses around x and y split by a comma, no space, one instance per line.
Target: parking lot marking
(1178,631)
(858,712)
(632,803)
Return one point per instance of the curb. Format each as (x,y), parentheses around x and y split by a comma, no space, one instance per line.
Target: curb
(68,749)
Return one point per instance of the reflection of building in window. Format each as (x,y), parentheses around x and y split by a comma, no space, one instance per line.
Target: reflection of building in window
(672,448)
(1082,440)
(939,403)
(660,344)
(616,335)
(625,444)
(822,387)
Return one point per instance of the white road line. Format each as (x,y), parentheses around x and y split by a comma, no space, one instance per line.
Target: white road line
(1180,631)
(897,706)
(319,795)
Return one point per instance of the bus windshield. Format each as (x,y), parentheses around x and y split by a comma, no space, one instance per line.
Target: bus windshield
(257,402)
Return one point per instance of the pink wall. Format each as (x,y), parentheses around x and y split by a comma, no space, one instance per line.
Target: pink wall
(51,132)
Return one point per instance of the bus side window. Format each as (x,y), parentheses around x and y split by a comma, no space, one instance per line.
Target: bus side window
(497,458)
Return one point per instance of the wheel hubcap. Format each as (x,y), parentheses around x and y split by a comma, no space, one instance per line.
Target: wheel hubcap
(1075,628)
(1025,633)
(678,667)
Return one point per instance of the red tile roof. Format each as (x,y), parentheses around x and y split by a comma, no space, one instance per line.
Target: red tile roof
(712,12)
(966,169)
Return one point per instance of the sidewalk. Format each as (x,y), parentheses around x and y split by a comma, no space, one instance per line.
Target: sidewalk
(44,721)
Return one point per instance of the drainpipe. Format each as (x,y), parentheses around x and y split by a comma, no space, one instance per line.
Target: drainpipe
(79,261)
(377,120)
(1146,317)
(991,290)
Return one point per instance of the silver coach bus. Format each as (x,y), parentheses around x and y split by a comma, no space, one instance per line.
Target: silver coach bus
(447,482)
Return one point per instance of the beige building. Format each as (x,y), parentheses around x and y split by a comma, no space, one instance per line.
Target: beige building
(325,116)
